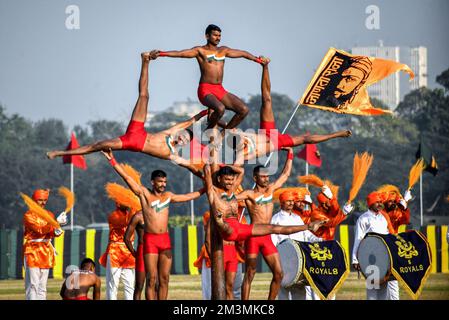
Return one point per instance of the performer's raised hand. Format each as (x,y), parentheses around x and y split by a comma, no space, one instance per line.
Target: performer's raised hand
(108,154)
(62,218)
(315,225)
(327,192)
(347,208)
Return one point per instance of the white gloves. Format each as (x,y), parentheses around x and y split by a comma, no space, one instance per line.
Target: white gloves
(403,203)
(58,232)
(327,192)
(62,218)
(347,208)
(407,196)
(307,198)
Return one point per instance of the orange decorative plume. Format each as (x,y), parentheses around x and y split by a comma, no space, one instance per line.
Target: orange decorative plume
(360,168)
(415,172)
(312,180)
(123,196)
(41,212)
(133,173)
(69,198)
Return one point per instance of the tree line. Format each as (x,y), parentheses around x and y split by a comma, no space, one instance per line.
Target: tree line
(393,140)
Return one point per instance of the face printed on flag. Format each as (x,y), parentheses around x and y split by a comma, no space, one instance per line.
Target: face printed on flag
(340,83)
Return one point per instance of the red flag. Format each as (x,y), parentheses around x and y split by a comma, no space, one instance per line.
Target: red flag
(78,161)
(311,155)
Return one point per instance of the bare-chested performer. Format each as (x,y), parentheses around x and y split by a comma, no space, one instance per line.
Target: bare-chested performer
(262,143)
(80,281)
(211,60)
(156,240)
(161,145)
(259,202)
(136,224)
(224,208)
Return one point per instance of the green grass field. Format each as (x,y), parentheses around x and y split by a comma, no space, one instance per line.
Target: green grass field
(189,288)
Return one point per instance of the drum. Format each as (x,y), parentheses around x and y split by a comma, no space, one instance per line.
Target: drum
(374,252)
(292,263)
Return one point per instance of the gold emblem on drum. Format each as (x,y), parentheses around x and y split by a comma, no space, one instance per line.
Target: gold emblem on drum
(320,254)
(406,249)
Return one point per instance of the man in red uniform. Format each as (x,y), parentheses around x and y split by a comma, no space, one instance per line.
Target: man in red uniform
(155,204)
(137,224)
(328,208)
(162,145)
(211,60)
(118,260)
(38,251)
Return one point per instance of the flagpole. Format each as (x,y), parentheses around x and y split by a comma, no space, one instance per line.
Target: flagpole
(192,210)
(72,212)
(420,199)
(307,173)
(269,157)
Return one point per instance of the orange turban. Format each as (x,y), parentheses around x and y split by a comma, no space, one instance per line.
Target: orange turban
(286,196)
(373,197)
(300,194)
(41,194)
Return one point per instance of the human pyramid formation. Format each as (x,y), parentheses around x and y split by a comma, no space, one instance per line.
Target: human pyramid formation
(221,184)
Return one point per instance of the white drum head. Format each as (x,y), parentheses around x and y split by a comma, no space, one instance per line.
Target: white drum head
(373,252)
(291,262)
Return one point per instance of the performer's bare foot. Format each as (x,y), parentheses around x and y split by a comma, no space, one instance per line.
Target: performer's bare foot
(146,56)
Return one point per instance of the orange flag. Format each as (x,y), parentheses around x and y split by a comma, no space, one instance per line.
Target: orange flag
(341,81)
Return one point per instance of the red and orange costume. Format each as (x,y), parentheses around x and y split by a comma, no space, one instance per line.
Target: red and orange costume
(334,214)
(38,250)
(119,255)
(398,216)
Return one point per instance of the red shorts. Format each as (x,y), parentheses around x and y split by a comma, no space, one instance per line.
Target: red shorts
(208,88)
(230,258)
(77,298)
(156,242)
(255,244)
(135,137)
(240,232)
(140,264)
(280,140)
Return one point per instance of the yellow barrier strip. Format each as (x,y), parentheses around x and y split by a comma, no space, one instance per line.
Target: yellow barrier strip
(433,246)
(58,272)
(193,248)
(90,243)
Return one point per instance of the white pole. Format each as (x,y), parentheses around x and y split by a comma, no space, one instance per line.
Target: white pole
(307,172)
(192,210)
(72,212)
(420,199)
(269,157)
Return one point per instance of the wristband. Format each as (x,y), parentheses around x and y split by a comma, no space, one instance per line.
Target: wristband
(113,162)
(259,60)
(290,155)
(162,54)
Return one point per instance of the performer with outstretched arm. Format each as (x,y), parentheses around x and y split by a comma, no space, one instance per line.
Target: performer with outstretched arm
(161,144)
(156,240)
(211,60)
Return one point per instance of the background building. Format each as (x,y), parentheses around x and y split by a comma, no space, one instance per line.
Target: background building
(392,89)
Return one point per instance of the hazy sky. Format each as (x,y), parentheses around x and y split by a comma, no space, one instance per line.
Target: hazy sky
(49,71)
